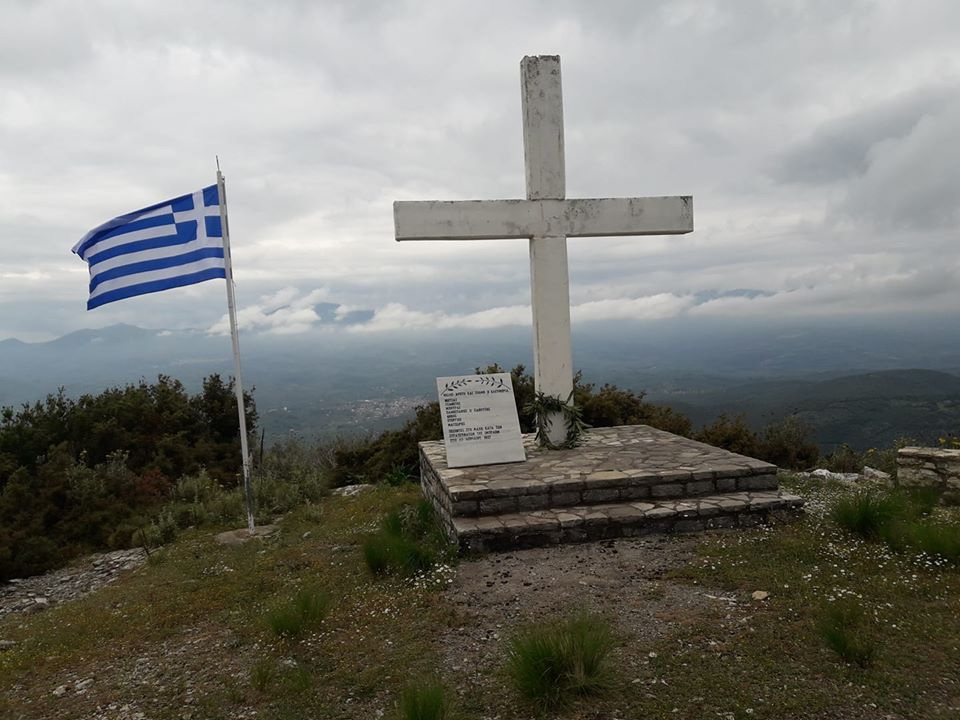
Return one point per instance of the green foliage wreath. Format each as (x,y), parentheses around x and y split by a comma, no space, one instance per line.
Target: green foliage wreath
(544,407)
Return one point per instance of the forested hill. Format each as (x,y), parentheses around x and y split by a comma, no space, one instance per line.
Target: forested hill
(864,410)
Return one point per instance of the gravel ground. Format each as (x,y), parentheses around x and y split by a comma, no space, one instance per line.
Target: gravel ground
(620,579)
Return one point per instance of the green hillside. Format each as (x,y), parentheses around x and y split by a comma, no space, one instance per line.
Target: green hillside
(864,410)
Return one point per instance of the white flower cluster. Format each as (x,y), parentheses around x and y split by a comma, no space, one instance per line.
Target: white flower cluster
(437,577)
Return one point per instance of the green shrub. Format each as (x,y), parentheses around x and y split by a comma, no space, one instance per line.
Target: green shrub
(552,663)
(787,443)
(197,489)
(292,473)
(950,441)
(730,433)
(425,700)
(82,473)
(164,529)
(841,626)
(373,461)
(297,680)
(844,460)
(35,554)
(398,476)
(377,555)
(306,611)
(611,406)
(885,459)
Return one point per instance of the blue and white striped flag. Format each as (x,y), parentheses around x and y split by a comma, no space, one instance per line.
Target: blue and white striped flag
(171,244)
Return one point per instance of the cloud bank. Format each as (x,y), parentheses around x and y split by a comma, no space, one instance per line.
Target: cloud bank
(821,142)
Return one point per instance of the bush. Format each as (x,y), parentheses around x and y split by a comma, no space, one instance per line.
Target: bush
(551,663)
(611,406)
(307,610)
(374,460)
(293,472)
(84,474)
(841,627)
(844,460)
(787,444)
(730,433)
(425,700)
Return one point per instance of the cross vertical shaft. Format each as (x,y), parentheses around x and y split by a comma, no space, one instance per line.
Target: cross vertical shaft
(549,279)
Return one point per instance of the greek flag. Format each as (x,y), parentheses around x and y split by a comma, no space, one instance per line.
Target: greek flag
(171,244)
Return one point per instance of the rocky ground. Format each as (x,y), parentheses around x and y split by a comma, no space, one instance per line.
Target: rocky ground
(40,592)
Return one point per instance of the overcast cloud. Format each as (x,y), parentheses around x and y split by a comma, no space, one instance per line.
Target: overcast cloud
(820,140)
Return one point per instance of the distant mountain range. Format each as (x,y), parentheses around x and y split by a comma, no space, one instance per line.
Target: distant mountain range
(855,382)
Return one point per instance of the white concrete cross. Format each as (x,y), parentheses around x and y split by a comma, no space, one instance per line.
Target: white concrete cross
(547,219)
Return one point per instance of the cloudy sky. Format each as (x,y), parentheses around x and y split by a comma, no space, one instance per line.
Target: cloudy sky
(820,140)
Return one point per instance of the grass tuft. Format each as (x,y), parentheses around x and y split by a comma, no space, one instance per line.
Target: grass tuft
(263,675)
(552,663)
(406,543)
(901,520)
(307,610)
(841,627)
(385,554)
(870,515)
(425,700)
(936,540)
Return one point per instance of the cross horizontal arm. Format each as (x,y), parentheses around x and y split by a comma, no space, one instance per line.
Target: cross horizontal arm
(496,219)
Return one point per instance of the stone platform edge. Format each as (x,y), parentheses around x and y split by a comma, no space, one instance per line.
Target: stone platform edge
(606,522)
(439,484)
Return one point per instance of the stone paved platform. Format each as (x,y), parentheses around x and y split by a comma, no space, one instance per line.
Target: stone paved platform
(621,481)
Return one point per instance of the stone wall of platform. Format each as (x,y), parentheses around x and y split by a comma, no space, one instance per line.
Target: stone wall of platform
(937,468)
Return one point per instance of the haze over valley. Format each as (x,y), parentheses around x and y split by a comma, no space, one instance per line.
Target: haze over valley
(863,381)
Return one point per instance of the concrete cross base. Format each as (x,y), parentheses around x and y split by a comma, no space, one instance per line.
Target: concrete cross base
(620,482)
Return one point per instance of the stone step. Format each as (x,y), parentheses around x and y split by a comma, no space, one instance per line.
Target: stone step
(583,523)
(605,486)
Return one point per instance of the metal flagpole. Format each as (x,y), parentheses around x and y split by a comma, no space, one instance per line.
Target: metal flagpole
(238,382)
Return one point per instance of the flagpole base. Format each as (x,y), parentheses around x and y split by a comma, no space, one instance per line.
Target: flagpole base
(239,537)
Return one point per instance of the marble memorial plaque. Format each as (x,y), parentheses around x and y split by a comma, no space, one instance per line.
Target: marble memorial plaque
(480,423)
